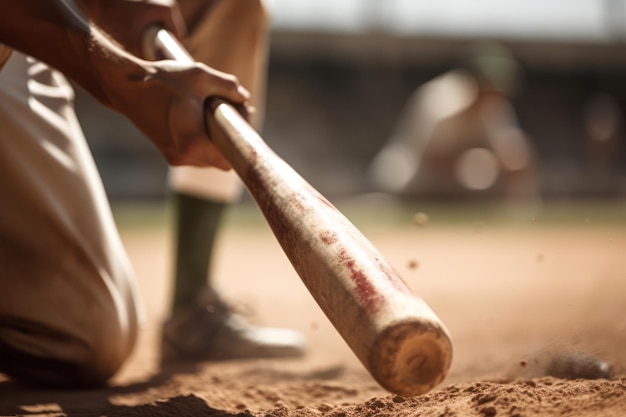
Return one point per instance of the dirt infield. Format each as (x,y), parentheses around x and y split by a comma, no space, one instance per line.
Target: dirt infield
(536,308)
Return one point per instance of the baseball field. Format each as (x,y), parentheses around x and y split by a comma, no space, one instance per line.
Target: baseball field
(534,298)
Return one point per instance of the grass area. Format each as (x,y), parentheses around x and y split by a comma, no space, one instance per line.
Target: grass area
(549,214)
(365,212)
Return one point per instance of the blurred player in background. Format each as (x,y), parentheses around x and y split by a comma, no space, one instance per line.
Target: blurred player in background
(459,138)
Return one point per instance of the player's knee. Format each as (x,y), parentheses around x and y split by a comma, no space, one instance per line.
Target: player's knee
(72,349)
(106,338)
(105,355)
(65,360)
(111,340)
(94,363)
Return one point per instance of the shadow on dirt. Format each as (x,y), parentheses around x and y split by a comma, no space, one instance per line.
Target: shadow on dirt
(17,399)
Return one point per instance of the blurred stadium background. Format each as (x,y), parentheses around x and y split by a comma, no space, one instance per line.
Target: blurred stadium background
(340,73)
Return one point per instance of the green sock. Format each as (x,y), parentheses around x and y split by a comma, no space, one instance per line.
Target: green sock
(197,222)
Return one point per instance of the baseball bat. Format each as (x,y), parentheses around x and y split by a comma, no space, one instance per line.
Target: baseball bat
(396,336)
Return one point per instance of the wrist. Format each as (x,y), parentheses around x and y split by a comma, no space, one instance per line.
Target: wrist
(117,73)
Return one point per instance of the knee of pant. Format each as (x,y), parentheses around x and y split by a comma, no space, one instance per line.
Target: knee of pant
(107,332)
(106,342)
(104,345)
(67,361)
(106,354)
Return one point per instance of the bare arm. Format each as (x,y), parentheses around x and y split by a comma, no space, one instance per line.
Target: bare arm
(164,99)
(57,33)
(126,21)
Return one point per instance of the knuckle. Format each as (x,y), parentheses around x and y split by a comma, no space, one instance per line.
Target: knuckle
(230,82)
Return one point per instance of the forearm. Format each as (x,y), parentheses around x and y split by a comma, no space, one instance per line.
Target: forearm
(126,21)
(164,99)
(56,32)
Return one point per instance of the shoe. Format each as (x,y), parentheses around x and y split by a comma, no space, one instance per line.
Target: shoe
(214,332)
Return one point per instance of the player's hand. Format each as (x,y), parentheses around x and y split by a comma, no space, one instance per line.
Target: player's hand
(168,105)
(126,21)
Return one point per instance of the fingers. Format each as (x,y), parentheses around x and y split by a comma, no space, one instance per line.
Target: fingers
(183,137)
(187,122)
(191,143)
(203,81)
(226,86)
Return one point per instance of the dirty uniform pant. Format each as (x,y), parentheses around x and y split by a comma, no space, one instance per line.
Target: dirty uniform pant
(69,310)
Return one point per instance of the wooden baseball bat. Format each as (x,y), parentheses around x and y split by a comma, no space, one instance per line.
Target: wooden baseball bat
(397,337)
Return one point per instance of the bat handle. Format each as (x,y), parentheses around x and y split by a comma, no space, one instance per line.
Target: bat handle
(158,41)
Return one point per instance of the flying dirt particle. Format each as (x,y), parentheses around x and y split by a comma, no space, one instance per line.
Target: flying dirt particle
(578,366)
(534,219)
(420,219)
(523,363)
(413,264)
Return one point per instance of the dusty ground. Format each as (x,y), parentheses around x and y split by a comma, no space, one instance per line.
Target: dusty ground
(522,299)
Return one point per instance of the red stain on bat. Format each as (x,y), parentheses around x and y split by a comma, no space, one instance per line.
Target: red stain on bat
(369,297)
(328,237)
(367,293)
(260,190)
